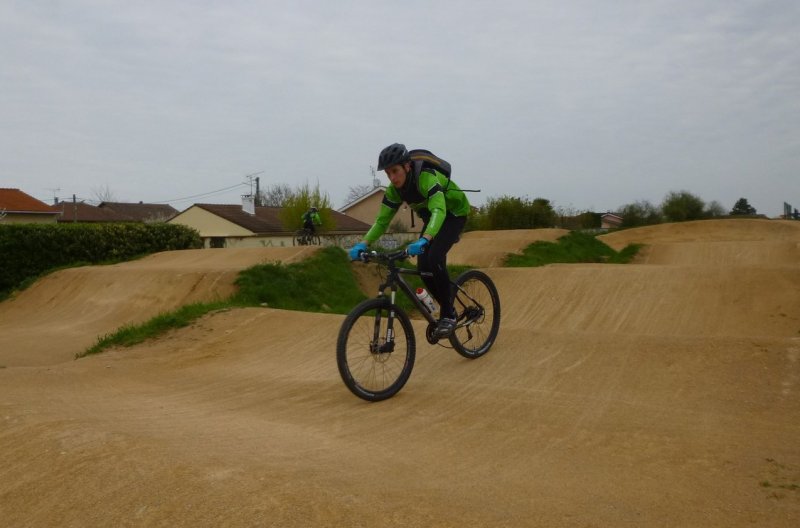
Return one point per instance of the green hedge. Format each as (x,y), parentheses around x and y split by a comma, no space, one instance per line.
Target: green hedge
(28,250)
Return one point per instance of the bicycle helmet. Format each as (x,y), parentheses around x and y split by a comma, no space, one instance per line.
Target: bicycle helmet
(314,209)
(392,155)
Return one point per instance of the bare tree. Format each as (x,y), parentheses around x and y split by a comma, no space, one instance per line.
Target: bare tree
(276,195)
(103,194)
(357,191)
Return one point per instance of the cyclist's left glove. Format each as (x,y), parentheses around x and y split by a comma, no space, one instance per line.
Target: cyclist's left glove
(416,248)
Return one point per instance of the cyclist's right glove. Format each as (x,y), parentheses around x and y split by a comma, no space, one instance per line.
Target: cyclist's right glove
(355,251)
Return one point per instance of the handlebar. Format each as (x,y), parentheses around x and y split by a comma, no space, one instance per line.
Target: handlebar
(369,256)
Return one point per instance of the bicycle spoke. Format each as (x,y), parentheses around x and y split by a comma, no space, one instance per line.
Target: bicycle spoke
(478,306)
(372,368)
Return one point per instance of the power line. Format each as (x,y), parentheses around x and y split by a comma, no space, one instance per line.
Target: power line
(202,194)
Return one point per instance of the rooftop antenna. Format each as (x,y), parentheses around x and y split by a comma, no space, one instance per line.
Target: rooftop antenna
(375,181)
(54,190)
(256,195)
(251,178)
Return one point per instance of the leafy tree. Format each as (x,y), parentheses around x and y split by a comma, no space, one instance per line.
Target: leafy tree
(742,207)
(477,220)
(639,214)
(714,209)
(682,206)
(509,212)
(300,200)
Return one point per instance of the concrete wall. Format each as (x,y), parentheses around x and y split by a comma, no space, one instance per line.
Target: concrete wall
(343,241)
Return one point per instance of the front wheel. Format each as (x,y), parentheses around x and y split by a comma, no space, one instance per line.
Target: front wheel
(477,304)
(299,238)
(375,350)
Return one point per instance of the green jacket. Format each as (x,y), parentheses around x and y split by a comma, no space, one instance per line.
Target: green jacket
(426,195)
(314,217)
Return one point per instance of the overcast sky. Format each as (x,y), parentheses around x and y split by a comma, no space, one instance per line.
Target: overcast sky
(590,104)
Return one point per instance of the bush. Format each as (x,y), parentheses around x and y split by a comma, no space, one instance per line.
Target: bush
(28,250)
(509,212)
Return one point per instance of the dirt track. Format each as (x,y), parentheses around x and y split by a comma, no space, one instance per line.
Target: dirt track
(662,393)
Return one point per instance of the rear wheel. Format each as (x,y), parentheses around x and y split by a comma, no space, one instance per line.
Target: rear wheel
(374,362)
(477,304)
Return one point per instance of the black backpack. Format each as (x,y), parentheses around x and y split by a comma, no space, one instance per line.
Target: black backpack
(425,159)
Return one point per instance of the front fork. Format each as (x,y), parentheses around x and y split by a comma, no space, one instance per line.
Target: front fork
(384,344)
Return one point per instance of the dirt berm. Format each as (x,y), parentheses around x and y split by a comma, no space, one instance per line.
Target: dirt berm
(660,393)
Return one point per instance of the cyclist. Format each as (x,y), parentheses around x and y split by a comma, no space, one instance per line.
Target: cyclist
(311,219)
(443,208)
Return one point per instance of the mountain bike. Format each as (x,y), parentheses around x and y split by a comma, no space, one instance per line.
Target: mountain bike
(306,237)
(376,347)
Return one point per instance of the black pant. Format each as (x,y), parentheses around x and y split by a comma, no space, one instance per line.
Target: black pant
(434,260)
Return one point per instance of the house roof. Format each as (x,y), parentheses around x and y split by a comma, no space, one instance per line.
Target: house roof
(83,212)
(16,201)
(267,219)
(141,211)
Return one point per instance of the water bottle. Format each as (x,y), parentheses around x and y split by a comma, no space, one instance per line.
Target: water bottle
(426,299)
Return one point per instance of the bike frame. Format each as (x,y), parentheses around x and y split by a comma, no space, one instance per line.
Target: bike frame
(394,280)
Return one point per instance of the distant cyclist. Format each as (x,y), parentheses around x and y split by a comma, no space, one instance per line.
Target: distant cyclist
(311,219)
(443,208)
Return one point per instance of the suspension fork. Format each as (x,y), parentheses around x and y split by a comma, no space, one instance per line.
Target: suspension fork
(387,344)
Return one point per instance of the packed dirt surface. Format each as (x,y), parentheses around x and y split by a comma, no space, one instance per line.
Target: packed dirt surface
(661,393)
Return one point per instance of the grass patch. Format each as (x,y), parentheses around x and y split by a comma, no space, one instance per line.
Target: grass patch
(322,283)
(575,247)
(130,335)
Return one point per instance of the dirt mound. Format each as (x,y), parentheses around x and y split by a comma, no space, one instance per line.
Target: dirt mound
(731,242)
(653,394)
(69,309)
(487,249)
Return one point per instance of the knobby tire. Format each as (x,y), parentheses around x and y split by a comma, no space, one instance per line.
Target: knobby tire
(371,374)
(479,306)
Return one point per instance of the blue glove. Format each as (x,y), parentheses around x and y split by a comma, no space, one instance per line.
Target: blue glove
(356,250)
(416,248)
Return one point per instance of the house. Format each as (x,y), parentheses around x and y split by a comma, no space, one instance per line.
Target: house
(141,212)
(610,221)
(250,226)
(17,207)
(82,212)
(74,211)
(366,207)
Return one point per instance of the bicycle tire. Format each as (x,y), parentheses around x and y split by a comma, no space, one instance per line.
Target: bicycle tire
(303,237)
(371,374)
(315,240)
(478,306)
